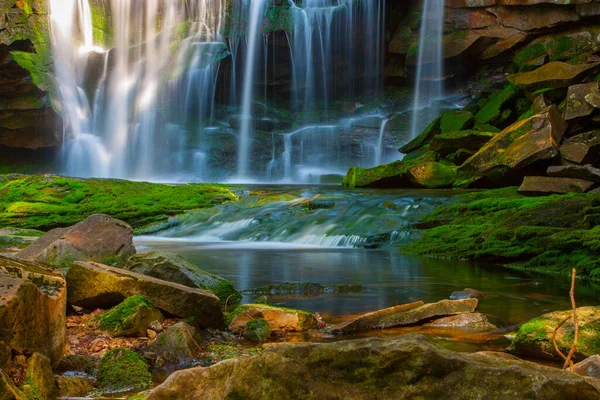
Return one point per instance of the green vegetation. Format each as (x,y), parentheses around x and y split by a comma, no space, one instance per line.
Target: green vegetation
(45,202)
(122,317)
(547,234)
(121,371)
(221,352)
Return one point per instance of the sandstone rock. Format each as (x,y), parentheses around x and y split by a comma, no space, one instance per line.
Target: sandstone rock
(543,186)
(172,268)
(93,285)
(257,330)
(99,238)
(552,75)
(432,175)
(279,319)
(33,302)
(8,391)
(472,320)
(407,367)
(589,367)
(130,318)
(535,337)
(533,17)
(447,143)
(456,120)
(581,149)
(74,386)
(593,99)
(424,138)
(521,144)
(176,348)
(39,380)
(586,172)
(492,110)
(405,314)
(577,105)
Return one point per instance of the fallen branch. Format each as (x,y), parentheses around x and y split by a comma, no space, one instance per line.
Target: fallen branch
(569,357)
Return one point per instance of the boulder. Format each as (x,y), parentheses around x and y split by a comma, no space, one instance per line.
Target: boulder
(589,367)
(74,386)
(8,391)
(257,330)
(543,186)
(451,142)
(99,238)
(581,149)
(577,106)
(39,379)
(518,146)
(173,268)
(178,347)
(498,354)
(405,314)
(532,17)
(593,99)
(122,371)
(33,303)
(280,319)
(432,175)
(552,75)
(130,318)
(585,172)
(406,367)
(424,138)
(491,112)
(455,120)
(93,285)
(534,338)
(472,321)
(467,294)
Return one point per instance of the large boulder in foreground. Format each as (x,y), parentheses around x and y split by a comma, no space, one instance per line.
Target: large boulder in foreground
(93,285)
(534,338)
(33,303)
(518,146)
(405,314)
(407,367)
(99,238)
(173,268)
(280,319)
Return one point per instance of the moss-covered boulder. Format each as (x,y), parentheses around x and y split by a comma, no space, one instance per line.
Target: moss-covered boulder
(130,318)
(98,238)
(173,268)
(553,75)
(16,239)
(493,108)
(257,330)
(280,319)
(405,314)
(39,379)
(432,175)
(534,338)
(406,367)
(451,142)
(122,371)
(424,138)
(518,146)
(94,285)
(455,120)
(545,185)
(33,302)
(178,347)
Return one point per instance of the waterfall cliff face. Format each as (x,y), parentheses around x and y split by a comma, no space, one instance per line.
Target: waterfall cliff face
(212,89)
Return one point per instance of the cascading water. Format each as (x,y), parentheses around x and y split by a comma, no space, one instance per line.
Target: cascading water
(429,80)
(172,90)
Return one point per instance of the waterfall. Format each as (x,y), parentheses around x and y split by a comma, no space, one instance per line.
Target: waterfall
(380,142)
(170,90)
(429,80)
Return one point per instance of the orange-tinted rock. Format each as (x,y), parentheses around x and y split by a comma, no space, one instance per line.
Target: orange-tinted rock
(543,185)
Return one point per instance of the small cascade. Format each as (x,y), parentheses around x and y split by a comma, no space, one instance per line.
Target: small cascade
(429,80)
(380,143)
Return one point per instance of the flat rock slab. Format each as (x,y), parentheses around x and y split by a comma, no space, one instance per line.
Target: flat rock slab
(585,172)
(33,304)
(553,75)
(93,285)
(577,106)
(470,321)
(405,314)
(408,367)
(279,319)
(589,367)
(543,186)
(581,149)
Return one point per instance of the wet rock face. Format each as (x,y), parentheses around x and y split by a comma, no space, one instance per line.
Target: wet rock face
(33,302)
(401,368)
(98,238)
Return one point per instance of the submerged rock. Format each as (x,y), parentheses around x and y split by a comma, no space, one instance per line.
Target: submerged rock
(407,367)
(33,302)
(93,285)
(280,319)
(122,371)
(173,268)
(534,338)
(405,314)
(472,320)
(130,318)
(99,238)
(543,185)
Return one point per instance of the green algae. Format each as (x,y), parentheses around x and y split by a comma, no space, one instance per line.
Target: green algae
(122,371)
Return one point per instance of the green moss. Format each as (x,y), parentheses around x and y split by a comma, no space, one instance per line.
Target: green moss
(453,120)
(31,390)
(221,352)
(121,371)
(547,234)
(492,110)
(231,315)
(281,18)
(44,202)
(114,318)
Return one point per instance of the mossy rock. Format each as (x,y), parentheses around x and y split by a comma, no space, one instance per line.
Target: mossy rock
(280,319)
(221,352)
(553,75)
(122,371)
(455,120)
(39,380)
(534,338)
(257,330)
(130,318)
(451,142)
(491,112)
(424,138)
(173,268)
(432,175)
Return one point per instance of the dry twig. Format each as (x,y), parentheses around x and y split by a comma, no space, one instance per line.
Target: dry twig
(569,357)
